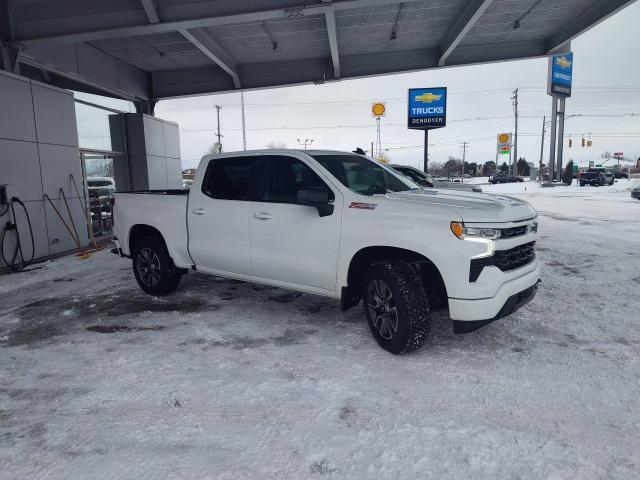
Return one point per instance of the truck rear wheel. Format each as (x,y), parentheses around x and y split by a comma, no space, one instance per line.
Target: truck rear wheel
(396,306)
(153,267)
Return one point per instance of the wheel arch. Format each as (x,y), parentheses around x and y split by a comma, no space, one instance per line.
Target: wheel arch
(141,230)
(432,278)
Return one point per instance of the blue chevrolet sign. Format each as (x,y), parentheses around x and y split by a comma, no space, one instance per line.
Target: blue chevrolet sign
(560,75)
(427,108)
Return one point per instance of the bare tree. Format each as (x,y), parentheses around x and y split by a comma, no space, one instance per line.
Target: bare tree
(276,145)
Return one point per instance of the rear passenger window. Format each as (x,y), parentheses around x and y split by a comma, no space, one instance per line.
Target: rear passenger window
(229,178)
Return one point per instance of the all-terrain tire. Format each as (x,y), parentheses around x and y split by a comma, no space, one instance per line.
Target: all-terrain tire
(153,268)
(411,306)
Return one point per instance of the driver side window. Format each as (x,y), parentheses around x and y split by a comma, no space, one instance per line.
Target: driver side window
(285,176)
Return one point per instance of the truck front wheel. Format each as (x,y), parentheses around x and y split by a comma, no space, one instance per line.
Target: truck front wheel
(396,306)
(153,268)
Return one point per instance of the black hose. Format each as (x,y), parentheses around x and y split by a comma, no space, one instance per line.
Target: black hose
(13,264)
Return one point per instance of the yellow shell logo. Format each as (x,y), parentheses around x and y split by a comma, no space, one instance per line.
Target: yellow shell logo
(378,109)
(503,138)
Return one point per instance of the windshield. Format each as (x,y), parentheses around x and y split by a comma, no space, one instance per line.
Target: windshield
(414,175)
(100,183)
(362,175)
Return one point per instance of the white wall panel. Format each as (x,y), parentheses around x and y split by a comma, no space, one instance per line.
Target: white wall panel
(171,140)
(16,109)
(57,162)
(20,169)
(157,168)
(55,115)
(154,136)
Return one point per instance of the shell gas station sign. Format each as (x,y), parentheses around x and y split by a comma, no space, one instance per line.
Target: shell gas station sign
(504,143)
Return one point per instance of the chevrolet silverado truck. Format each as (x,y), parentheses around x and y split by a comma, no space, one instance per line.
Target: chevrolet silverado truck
(340,225)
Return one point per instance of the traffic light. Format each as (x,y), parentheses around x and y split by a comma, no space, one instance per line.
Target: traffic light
(589,143)
(570,143)
(583,142)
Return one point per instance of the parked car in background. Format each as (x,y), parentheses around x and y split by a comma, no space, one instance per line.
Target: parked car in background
(340,225)
(101,186)
(101,191)
(635,193)
(427,181)
(597,177)
(620,174)
(504,178)
(609,176)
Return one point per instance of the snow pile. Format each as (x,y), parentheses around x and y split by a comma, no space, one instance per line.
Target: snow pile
(229,380)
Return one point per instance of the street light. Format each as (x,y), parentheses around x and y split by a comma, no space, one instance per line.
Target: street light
(306,142)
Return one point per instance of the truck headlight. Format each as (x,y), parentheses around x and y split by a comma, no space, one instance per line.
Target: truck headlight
(485,236)
(465,233)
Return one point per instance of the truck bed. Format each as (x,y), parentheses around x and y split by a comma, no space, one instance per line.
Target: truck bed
(164,210)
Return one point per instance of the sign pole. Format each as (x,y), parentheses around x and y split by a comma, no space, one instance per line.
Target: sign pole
(560,140)
(552,138)
(426,151)
(540,176)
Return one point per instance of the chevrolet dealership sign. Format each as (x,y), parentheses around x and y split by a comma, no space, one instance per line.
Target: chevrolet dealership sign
(427,108)
(560,75)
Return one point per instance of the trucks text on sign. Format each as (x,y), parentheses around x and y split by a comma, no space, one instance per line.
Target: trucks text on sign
(427,108)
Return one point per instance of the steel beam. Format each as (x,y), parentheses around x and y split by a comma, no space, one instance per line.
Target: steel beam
(467,19)
(317,8)
(184,83)
(203,42)
(150,10)
(330,17)
(589,19)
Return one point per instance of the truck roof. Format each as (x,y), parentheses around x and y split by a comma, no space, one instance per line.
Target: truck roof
(274,151)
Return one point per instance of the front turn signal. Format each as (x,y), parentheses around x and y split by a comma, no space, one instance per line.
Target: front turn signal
(457,228)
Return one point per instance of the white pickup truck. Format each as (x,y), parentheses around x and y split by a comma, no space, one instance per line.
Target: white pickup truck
(341,225)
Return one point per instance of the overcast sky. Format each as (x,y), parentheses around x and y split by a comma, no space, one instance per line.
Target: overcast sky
(606,81)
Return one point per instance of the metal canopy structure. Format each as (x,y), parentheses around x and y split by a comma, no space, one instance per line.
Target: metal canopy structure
(155,49)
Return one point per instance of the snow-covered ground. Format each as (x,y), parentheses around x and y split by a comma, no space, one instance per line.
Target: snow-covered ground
(227,380)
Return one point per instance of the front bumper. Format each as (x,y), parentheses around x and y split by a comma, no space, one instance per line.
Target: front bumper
(489,309)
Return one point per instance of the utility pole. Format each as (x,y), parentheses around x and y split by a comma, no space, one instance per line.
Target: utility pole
(464,156)
(540,176)
(218,108)
(244,130)
(514,168)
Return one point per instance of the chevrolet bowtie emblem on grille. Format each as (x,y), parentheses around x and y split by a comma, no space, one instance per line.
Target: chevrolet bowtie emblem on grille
(428,97)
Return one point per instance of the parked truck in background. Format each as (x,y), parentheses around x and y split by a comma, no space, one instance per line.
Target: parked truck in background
(340,225)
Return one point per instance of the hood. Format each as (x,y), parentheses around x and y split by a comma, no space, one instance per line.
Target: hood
(472,207)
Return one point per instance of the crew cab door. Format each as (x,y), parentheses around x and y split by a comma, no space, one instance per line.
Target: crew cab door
(292,242)
(219,215)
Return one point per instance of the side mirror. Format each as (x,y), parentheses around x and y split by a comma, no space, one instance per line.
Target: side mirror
(316,197)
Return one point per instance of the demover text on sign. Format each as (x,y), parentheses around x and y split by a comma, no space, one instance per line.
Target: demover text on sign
(427,108)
